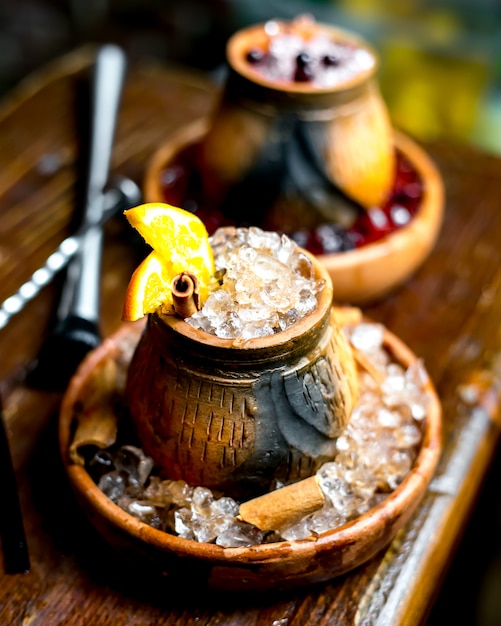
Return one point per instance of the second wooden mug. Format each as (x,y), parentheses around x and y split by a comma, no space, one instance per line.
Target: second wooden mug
(291,155)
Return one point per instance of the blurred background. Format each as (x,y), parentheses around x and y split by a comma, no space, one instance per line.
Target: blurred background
(440,76)
(440,59)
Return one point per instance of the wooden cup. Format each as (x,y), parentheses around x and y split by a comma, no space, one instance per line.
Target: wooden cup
(235,416)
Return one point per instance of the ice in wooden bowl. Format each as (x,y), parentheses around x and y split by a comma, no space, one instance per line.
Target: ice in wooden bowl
(308,530)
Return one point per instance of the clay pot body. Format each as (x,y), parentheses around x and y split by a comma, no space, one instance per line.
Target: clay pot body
(236,416)
(291,155)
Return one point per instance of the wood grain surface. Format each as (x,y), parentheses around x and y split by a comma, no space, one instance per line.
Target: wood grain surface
(448,313)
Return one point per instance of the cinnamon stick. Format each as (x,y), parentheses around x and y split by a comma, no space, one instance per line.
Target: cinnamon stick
(97,422)
(283,507)
(347,315)
(185,294)
(365,363)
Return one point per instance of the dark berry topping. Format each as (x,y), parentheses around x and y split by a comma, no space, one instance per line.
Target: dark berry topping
(182,186)
(255,56)
(303,59)
(330,60)
(304,70)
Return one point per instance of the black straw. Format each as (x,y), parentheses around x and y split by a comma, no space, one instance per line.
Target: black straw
(15,549)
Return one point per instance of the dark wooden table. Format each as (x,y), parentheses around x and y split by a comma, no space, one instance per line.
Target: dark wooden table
(448,313)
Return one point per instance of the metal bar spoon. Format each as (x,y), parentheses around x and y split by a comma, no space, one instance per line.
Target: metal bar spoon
(123,194)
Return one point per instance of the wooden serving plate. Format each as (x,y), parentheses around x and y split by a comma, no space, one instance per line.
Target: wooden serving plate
(365,274)
(273,566)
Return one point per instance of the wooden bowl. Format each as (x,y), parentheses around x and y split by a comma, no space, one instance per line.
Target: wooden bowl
(372,271)
(367,273)
(274,566)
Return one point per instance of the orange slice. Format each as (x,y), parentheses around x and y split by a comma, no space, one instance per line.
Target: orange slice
(180,243)
(148,288)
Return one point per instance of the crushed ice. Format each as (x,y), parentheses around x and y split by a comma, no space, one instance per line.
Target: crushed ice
(285,46)
(267,285)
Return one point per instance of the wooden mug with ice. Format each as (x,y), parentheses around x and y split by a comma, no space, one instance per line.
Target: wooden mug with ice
(237,415)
